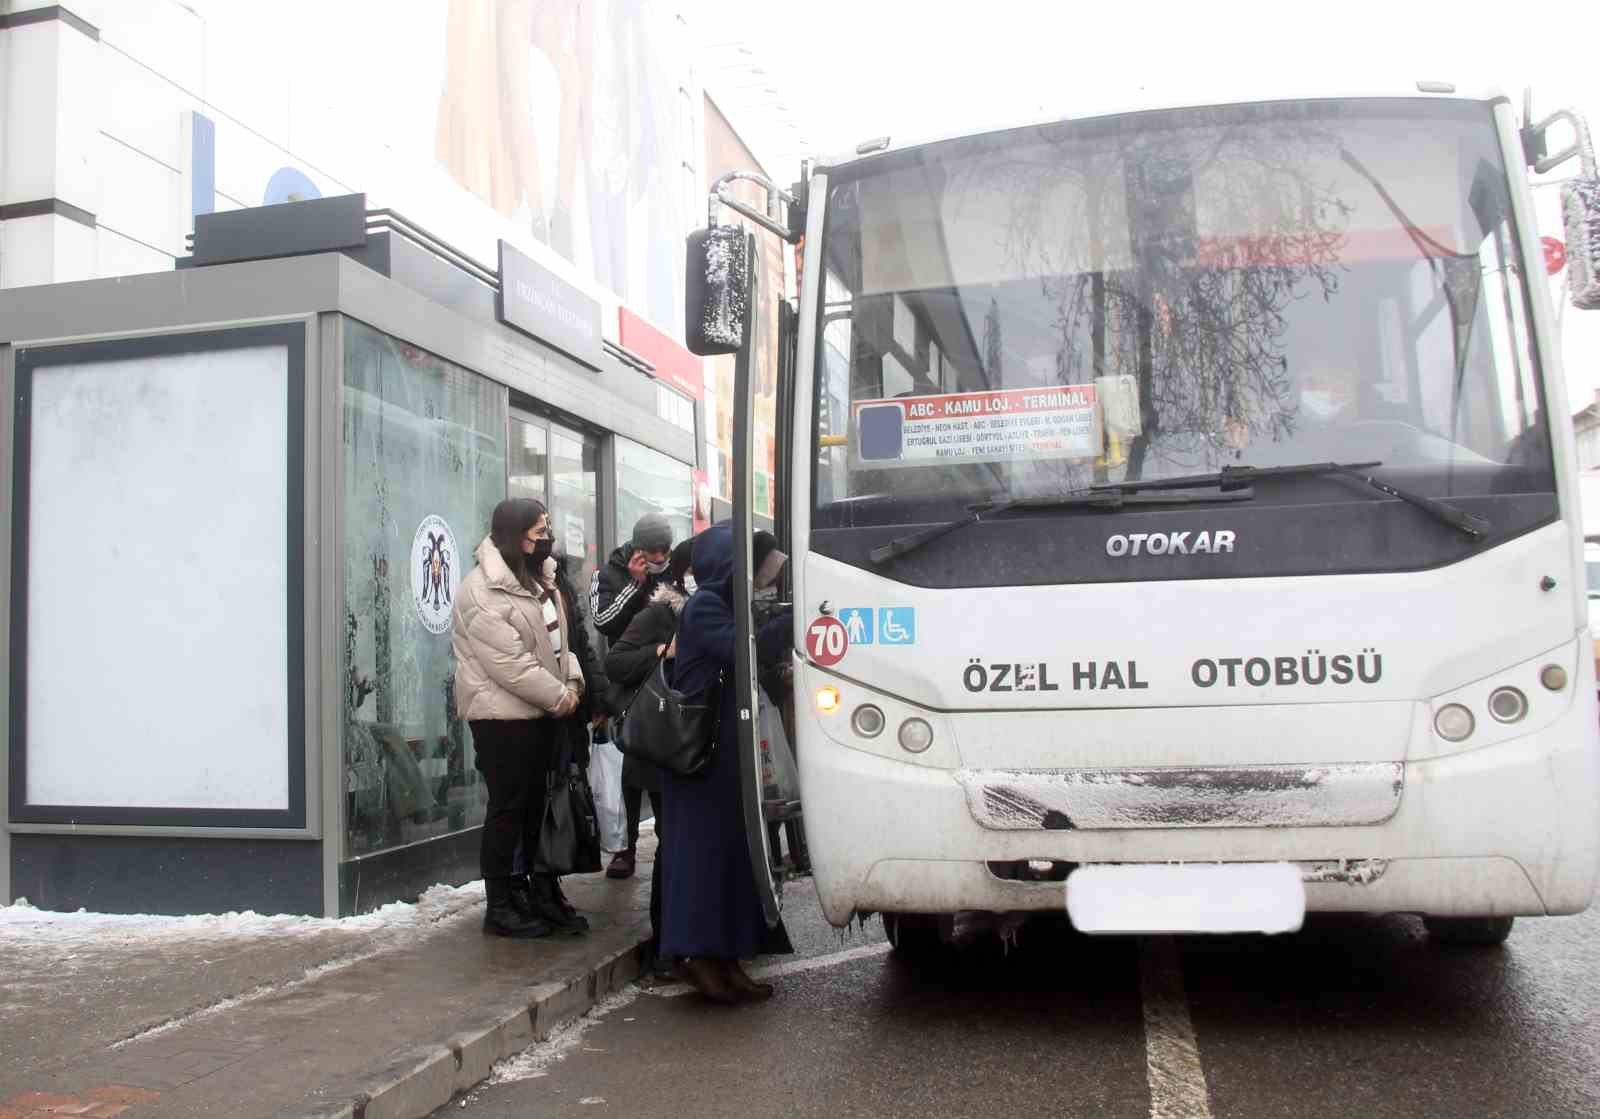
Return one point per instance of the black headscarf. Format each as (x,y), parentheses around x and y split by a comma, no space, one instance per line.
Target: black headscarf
(680,563)
(706,628)
(712,560)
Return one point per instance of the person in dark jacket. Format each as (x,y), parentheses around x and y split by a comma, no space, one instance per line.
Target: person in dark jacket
(711,915)
(775,656)
(623,587)
(617,593)
(592,707)
(571,737)
(633,657)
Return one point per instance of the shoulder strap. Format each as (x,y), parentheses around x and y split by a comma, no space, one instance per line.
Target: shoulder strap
(640,686)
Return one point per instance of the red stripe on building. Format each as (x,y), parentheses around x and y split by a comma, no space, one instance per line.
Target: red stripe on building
(674,364)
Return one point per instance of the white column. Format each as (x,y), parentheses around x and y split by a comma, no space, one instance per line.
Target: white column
(49,133)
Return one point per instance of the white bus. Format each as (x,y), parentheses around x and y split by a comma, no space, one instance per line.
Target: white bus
(1185,519)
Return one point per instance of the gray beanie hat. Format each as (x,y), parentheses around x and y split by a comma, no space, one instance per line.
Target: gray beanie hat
(651,533)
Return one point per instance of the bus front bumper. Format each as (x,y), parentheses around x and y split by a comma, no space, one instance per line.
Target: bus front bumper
(1507,829)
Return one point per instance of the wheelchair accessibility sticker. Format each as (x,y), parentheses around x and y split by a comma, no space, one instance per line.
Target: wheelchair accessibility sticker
(897,625)
(882,625)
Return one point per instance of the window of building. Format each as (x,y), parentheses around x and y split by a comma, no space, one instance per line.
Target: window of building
(650,482)
(560,466)
(674,407)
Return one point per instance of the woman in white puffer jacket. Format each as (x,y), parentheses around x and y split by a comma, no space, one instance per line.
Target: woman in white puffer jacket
(515,675)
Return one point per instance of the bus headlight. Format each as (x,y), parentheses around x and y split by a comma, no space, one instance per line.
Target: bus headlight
(827,699)
(916,735)
(1507,705)
(867,720)
(1554,677)
(1453,722)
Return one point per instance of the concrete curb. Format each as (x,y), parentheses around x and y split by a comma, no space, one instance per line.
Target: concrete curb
(419,1081)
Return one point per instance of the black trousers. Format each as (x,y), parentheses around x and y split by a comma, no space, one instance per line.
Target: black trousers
(633,802)
(513,756)
(655,877)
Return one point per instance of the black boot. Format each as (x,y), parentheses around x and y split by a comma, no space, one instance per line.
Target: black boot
(548,905)
(566,906)
(710,977)
(522,896)
(501,916)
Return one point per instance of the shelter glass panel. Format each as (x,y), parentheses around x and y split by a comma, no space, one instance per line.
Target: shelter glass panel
(424,467)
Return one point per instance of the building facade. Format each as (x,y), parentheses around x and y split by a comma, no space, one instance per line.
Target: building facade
(436,250)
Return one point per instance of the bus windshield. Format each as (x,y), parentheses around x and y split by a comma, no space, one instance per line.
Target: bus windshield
(1030,313)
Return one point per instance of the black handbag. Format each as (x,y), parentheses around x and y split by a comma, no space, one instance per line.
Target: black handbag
(569,834)
(667,728)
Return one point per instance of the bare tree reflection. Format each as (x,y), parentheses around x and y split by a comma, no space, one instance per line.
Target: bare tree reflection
(1111,232)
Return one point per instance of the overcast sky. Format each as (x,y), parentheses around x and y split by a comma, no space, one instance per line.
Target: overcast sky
(848,70)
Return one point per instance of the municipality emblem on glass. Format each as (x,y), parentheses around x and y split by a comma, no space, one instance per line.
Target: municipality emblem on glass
(435,573)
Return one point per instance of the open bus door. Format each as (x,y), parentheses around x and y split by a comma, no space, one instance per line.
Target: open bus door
(782,721)
(722,276)
(749,693)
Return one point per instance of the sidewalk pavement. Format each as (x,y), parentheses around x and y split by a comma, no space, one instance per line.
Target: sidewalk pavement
(375,1017)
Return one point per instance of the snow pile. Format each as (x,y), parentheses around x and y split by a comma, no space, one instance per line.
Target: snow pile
(21,923)
(162,973)
(535,1061)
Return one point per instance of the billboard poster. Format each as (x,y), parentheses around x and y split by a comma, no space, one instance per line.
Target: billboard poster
(726,152)
(567,120)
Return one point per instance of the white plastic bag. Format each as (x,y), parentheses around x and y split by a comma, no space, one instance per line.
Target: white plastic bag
(605,778)
(780,777)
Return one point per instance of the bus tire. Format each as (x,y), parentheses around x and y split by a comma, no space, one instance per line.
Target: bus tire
(917,937)
(1476,932)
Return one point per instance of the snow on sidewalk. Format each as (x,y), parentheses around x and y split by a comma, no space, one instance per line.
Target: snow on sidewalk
(24,928)
(80,981)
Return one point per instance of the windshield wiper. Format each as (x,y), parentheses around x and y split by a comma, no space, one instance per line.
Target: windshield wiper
(1094,498)
(1234,477)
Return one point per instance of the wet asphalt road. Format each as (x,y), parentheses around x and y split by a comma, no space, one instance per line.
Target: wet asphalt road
(1353,1016)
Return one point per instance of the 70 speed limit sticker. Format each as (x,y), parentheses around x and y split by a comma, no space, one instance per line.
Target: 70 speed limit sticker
(827,642)
(830,637)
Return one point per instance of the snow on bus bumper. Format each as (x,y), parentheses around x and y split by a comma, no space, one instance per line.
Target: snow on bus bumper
(1506,829)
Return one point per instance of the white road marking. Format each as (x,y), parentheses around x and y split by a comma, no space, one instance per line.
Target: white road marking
(792,967)
(1172,1058)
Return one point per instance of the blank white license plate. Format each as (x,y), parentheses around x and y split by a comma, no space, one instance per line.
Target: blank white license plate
(1186,898)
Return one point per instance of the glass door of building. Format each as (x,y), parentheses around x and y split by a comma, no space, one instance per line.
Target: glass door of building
(528,465)
(575,504)
(560,466)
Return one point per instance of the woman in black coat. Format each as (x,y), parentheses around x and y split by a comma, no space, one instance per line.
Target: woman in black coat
(570,741)
(629,663)
(711,915)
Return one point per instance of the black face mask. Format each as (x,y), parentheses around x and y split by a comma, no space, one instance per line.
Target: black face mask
(540,553)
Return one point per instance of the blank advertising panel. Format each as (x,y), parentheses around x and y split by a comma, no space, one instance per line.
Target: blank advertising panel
(158,582)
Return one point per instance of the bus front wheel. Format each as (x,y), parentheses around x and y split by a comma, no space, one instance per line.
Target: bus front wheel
(917,936)
(1479,932)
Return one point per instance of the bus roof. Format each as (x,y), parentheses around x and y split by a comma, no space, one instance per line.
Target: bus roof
(887,145)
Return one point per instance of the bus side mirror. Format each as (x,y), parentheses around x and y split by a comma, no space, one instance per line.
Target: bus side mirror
(1580,211)
(716,285)
(1580,196)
